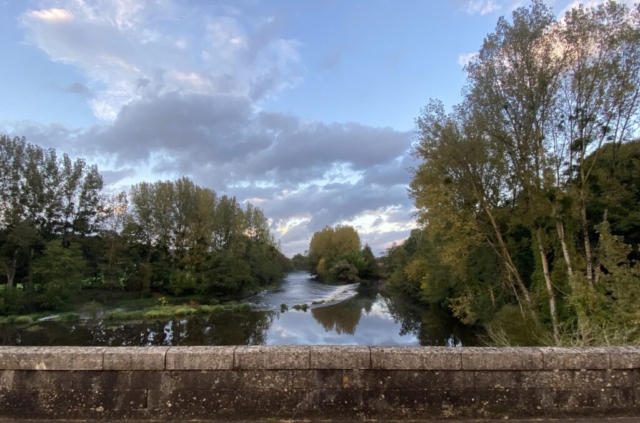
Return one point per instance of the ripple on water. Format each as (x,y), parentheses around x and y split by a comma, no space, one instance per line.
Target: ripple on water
(300,288)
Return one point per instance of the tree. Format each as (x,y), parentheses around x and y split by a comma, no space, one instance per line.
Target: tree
(509,169)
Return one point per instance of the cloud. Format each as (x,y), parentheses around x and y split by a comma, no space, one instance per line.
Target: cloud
(51,15)
(185,98)
(482,7)
(465,58)
(78,88)
(116,44)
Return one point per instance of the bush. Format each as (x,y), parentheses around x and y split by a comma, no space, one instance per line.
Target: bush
(23,320)
(184,311)
(241,308)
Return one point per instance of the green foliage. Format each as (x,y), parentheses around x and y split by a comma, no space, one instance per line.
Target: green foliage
(335,256)
(514,183)
(60,233)
(60,272)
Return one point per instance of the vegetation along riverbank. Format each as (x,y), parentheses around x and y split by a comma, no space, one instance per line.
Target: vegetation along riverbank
(526,195)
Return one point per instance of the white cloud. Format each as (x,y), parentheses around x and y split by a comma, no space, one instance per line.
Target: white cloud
(465,58)
(482,7)
(51,15)
(133,49)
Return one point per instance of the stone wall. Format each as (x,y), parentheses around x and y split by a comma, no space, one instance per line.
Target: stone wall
(317,382)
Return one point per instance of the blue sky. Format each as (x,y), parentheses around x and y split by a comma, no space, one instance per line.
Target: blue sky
(305,108)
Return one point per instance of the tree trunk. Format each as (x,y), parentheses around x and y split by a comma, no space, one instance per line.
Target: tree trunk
(547,279)
(10,269)
(598,271)
(565,251)
(587,243)
(507,259)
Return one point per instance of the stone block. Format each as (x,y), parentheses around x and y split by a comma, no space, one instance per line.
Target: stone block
(339,403)
(231,404)
(25,380)
(512,403)
(271,357)
(625,357)
(319,378)
(575,358)
(415,358)
(621,378)
(196,380)
(134,358)
(200,358)
(340,357)
(417,380)
(51,358)
(498,380)
(546,379)
(589,379)
(398,404)
(474,358)
(267,379)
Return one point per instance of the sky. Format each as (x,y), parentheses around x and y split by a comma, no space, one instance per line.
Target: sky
(305,108)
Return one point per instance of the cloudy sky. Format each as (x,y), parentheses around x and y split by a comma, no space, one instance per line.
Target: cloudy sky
(305,108)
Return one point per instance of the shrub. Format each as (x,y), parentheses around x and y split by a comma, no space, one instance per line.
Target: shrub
(184,311)
(23,320)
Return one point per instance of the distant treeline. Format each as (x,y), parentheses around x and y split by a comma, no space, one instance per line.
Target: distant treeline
(59,232)
(528,191)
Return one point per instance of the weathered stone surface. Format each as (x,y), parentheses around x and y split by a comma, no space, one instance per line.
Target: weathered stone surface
(222,404)
(417,380)
(205,380)
(501,358)
(267,379)
(561,379)
(200,358)
(270,357)
(575,358)
(51,358)
(119,380)
(340,358)
(625,357)
(407,404)
(512,403)
(33,379)
(415,358)
(135,358)
(338,383)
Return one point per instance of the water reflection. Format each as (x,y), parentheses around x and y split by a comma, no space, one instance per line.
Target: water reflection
(369,317)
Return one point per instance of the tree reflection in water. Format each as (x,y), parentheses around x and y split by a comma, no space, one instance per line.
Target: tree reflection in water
(372,317)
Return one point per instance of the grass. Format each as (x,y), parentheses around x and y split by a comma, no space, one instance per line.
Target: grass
(157,312)
(68,317)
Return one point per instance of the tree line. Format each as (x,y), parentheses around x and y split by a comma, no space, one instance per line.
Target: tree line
(60,232)
(527,191)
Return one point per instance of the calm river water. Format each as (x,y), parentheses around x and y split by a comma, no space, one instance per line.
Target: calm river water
(351,315)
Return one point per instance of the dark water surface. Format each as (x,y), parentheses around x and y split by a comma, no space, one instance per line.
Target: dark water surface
(351,315)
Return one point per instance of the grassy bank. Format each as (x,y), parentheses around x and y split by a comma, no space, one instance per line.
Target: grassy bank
(164,312)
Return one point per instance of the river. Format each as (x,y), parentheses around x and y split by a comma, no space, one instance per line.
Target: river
(348,315)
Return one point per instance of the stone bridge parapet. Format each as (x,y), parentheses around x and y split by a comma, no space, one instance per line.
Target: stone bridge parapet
(317,382)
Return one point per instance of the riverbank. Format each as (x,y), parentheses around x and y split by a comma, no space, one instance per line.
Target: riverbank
(125,306)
